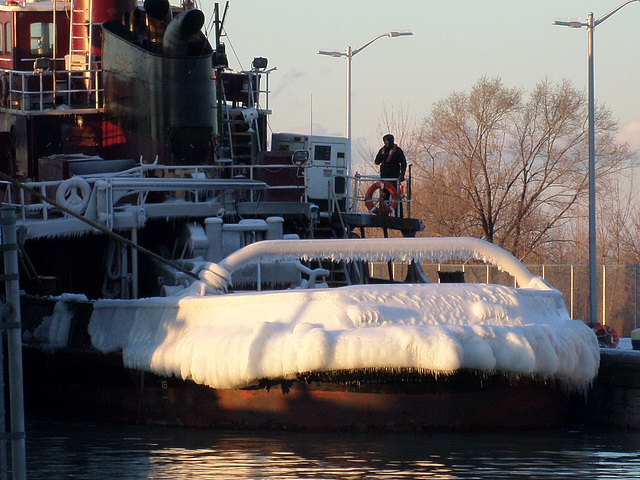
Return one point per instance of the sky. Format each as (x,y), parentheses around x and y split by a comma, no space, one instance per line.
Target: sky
(454,44)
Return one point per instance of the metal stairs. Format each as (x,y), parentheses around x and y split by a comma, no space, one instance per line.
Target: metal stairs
(238,134)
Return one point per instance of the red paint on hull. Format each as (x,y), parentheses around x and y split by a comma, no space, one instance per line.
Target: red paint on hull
(93,386)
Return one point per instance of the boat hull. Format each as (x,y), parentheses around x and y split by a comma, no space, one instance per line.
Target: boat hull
(89,385)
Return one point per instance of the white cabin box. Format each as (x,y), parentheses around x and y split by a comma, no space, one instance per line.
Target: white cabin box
(326,172)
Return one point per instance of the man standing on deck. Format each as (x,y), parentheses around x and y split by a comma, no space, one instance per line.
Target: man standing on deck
(393,163)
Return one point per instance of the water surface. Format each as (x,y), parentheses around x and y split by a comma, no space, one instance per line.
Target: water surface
(57,450)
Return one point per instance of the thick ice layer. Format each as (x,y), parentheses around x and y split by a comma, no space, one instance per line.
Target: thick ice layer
(384,249)
(231,341)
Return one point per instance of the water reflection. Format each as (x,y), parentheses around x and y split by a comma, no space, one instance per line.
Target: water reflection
(86,451)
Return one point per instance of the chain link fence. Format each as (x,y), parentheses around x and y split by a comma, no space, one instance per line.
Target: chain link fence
(617,286)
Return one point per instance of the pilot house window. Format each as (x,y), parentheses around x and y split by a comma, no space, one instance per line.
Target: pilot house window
(42,39)
(7,37)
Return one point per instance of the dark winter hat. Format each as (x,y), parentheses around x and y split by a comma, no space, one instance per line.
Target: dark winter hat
(389,137)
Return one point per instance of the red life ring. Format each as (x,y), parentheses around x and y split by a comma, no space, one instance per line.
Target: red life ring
(607,336)
(380,206)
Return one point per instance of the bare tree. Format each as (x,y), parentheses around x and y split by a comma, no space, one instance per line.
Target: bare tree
(510,169)
(617,241)
(633,246)
(402,125)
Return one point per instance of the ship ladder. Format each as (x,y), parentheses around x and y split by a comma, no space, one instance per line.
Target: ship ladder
(244,143)
(79,60)
(239,142)
(227,130)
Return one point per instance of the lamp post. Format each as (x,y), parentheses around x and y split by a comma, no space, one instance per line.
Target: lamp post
(591,25)
(349,53)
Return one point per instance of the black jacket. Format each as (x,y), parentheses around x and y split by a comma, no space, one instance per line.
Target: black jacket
(391,166)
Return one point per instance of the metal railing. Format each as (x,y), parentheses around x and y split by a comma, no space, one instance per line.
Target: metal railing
(190,184)
(191,181)
(359,198)
(45,90)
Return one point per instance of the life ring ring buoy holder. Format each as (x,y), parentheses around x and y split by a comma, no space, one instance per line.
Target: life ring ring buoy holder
(382,198)
(73,194)
(607,336)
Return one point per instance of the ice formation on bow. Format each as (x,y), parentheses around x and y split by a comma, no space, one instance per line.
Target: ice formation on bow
(231,341)
(235,340)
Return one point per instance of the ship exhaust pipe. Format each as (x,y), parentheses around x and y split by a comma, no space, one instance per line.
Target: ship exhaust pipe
(176,36)
(158,17)
(158,10)
(135,21)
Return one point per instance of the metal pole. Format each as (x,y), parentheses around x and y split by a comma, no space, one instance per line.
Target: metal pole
(4,467)
(572,289)
(604,294)
(14,343)
(593,266)
(134,264)
(349,56)
(54,53)
(408,196)
(259,276)
(635,298)
(593,279)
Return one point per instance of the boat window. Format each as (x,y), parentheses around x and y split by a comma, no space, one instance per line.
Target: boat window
(7,37)
(41,38)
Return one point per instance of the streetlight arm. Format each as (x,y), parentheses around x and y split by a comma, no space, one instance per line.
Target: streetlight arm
(570,24)
(595,23)
(390,34)
(607,15)
(333,53)
(362,47)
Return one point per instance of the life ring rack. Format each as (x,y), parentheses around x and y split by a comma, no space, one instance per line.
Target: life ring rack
(380,206)
(607,336)
(73,194)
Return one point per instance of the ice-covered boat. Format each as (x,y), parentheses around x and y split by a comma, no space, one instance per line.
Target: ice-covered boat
(376,356)
(175,270)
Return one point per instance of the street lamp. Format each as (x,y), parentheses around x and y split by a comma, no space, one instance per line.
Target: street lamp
(349,53)
(591,24)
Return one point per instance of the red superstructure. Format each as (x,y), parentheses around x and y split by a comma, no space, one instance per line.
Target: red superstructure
(50,79)
(114,79)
